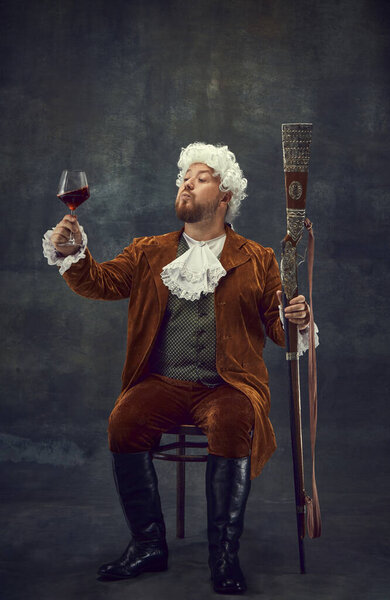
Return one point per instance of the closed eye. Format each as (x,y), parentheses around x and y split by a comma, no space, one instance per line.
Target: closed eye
(202,180)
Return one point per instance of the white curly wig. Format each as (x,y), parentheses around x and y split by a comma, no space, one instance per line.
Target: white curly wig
(224,163)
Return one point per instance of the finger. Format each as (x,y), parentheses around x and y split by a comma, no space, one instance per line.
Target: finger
(279,296)
(58,238)
(296,319)
(69,220)
(298,310)
(62,231)
(300,318)
(70,225)
(299,322)
(295,308)
(298,299)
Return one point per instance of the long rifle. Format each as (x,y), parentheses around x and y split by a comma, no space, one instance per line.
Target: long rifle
(296,140)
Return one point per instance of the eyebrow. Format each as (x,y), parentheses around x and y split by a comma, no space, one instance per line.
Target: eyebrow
(204,171)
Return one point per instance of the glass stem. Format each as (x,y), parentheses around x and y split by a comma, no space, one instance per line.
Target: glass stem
(71,239)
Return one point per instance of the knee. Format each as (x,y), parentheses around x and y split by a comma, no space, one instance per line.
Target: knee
(229,430)
(232,416)
(125,429)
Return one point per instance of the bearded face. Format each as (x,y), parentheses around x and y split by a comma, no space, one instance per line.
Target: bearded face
(190,211)
(199,195)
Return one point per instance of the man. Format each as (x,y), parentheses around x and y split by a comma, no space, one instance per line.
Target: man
(199,302)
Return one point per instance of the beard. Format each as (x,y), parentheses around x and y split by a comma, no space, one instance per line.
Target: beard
(190,212)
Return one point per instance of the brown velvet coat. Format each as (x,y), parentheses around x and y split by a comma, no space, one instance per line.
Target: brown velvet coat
(245,305)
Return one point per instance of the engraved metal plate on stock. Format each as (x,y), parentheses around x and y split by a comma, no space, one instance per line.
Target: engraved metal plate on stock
(295,190)
(295,222)
(288,270)
(296,140)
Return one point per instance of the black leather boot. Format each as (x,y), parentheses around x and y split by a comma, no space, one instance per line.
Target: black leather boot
(227,488)
(136,482)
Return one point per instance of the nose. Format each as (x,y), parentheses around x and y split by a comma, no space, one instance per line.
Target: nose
(189,184)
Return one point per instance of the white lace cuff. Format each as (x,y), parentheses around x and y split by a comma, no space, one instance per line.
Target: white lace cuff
(64,262)
(303,339)
(303,336)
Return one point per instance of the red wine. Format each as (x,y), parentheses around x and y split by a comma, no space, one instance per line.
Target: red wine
(74,198)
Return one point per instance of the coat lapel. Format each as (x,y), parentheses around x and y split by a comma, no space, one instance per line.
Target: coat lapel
(233,252)
(161,250)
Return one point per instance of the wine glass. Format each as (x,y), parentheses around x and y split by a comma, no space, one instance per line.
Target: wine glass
(73,190)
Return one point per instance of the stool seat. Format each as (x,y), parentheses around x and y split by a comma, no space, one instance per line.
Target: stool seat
(187,429)
(181,431)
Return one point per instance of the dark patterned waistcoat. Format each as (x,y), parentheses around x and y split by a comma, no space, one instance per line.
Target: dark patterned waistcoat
(186,343)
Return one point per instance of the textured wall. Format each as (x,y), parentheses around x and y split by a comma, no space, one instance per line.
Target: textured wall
(117,88)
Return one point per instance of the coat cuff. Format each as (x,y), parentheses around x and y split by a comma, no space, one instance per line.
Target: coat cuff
(54,258)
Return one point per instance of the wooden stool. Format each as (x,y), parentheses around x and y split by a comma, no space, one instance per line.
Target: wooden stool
(160,452)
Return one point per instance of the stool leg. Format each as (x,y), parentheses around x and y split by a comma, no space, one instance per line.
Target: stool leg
(180,488)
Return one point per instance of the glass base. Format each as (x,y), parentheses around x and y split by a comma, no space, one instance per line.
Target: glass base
(69,243)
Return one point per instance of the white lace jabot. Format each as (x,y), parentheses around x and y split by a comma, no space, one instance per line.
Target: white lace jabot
(197,270)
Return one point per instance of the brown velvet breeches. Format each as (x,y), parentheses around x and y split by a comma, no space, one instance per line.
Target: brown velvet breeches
(158,403)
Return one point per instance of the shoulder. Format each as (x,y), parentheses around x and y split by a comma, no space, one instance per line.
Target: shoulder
(262,257)
(152,240)
(257,250)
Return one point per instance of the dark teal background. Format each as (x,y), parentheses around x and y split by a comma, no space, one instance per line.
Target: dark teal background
(117,88)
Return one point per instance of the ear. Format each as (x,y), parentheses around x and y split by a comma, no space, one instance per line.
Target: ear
(227,197)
